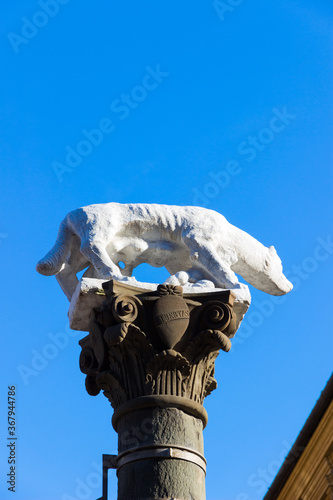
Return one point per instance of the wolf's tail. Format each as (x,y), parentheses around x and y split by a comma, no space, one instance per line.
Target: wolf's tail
(56,257)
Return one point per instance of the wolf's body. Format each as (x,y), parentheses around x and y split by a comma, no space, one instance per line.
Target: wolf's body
(192,239)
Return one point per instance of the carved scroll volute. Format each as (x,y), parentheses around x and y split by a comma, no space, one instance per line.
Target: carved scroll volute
(88,361)
(216,315)
(89,366)
(125,308)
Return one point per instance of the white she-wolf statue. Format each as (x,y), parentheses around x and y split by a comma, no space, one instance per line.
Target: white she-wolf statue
(193,244)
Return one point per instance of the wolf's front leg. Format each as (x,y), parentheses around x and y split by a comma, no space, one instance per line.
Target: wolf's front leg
(208,264)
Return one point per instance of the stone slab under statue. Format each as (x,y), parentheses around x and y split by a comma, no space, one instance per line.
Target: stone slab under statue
(90,294)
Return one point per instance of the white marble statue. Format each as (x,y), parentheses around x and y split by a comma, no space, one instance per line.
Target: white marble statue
(193,243)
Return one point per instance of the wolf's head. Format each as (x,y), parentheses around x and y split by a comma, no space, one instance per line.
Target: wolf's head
(275,281)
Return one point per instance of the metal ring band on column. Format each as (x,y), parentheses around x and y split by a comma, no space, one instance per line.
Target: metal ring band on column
(160,401)
(163,451)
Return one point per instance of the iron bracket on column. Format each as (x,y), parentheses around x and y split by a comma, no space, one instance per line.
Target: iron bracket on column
(109,462)
(155,451)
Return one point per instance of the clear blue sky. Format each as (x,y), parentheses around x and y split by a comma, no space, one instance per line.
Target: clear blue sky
(195,103)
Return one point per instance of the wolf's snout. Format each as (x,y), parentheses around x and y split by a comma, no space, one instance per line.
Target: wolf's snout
(284,285)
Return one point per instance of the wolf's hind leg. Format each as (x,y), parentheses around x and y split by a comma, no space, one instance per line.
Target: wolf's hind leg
(97,255)
(67,279)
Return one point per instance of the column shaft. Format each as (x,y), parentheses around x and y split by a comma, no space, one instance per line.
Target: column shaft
(148,431)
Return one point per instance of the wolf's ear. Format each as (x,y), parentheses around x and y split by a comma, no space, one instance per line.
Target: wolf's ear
(272,250)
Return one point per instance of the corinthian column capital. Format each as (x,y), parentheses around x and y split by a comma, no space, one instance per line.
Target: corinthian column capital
(156,348)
